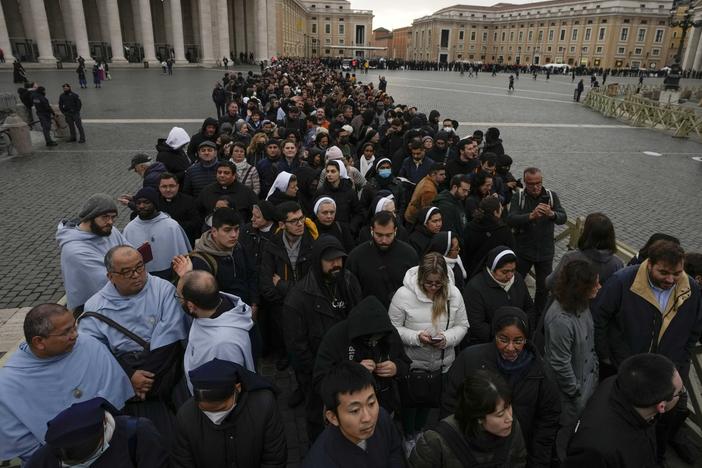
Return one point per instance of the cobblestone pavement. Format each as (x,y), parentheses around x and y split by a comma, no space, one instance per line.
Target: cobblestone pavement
(594,163)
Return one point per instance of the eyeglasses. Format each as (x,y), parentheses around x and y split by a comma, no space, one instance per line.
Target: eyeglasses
(67,332)
(299,220)
(680,394)
(128,273)
(506,341)
(433,284)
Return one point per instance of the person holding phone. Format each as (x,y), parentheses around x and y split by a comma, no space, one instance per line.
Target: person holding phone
(533,216)
(430,316)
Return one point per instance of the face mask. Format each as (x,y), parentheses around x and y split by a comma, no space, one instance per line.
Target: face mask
(384,173)
(218,416)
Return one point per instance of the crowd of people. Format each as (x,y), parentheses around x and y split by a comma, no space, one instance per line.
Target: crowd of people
(382,259)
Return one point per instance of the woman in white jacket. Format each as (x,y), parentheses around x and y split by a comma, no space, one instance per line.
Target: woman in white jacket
(419,312)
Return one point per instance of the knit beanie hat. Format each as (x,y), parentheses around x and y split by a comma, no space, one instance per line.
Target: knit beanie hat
(149,193)
(98,204)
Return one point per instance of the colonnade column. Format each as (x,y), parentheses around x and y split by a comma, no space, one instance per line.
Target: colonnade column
(115,31)
(80,30)
(41,29)
(223,28)
(693,40)
(239,28)
(147,31)
(697,65)
(272,29)
(177,25)
(5,44)
(206,33)
(261,30)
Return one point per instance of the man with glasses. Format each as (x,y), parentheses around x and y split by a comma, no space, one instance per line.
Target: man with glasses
(533,215)
(83,243)
(618,428)
(652,307)
(285,260)
(380,264)
(150,349)
(53,369)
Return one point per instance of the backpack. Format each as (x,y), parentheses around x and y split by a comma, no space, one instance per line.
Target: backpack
(520,198)
(209,259)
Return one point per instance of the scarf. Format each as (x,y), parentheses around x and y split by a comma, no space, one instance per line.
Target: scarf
(206,244)
(513,371)
(366,164)
(506,286)
(451,262)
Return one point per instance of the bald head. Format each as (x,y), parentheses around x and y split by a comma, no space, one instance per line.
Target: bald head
(120,254)
(38,321)
(200,288)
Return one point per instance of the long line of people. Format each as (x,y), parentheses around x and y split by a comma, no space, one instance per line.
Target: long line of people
(382,259)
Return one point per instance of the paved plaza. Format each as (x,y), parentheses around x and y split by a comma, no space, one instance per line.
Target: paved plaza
(594,163)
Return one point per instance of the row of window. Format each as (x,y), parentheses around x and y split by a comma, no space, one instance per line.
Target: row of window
(327,28)
(623,37)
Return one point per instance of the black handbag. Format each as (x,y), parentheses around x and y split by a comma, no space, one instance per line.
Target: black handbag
(421,388)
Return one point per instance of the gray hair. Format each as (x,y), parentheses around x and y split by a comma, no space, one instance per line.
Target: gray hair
(37,322)
(109,263)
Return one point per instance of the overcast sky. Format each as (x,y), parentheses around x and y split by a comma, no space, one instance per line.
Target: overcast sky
(396,14)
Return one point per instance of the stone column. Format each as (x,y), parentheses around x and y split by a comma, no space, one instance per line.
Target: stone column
(223,28)
(5,44)
(147,31)
(697,65)
(80,30)
(261,52)
(693,43)
(41,29)
(239,28)
(116,43)
(206,33)
(177,23)
(272,28)
(251,26)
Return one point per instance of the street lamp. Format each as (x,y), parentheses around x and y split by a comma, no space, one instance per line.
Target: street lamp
(685,23)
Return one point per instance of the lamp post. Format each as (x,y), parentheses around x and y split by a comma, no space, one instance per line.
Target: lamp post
(672,80)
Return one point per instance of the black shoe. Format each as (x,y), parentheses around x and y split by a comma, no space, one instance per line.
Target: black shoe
(81,141)
(71,140)
(282,363)
(51,143)
(296,398)
(686,450)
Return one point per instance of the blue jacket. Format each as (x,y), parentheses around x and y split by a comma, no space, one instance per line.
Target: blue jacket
(409,170)
(629,321)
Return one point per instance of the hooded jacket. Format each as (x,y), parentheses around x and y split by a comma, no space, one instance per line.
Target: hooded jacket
(171,153)
(200,136)
(411,311)
(481,236)
(166,238)
(348,208)
(82,260)
(350,340)
(605,262)
(152,175)
(243,198)
(315,305)
(224,336)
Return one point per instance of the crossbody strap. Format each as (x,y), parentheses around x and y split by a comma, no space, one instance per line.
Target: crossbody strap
(136,338)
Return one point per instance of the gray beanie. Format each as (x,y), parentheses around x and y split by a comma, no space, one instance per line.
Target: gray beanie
(98,204)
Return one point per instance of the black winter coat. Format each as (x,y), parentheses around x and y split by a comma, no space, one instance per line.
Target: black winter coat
(339,230)
(480,237)
(348,208)
(69,103)
(611,433)
(255,241)
(349,341)
(236,273)
(175,160)
(183,209)
(381,272)
(534,239)
(242,197)
(453,214)
(275,261)
(483,296)
(419,239)
(199,137)
(251,436)
(149,449)
(333,450)
(535,398)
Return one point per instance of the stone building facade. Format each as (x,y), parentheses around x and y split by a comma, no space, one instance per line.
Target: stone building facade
(605,33)
(203,31)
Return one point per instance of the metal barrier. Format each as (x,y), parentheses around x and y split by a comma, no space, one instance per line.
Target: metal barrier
(642,112)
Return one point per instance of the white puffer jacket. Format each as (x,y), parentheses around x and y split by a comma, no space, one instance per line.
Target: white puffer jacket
(410,313)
